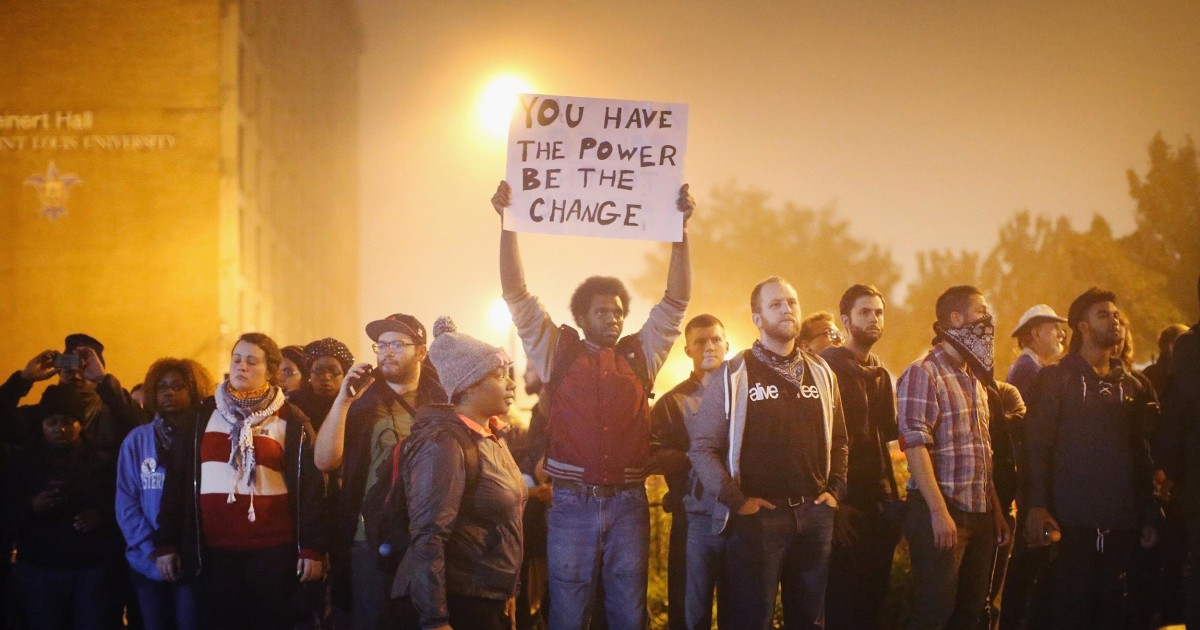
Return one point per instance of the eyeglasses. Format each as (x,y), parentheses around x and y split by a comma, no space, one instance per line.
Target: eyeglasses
(835,336)
(332,371)
(394,346)
(288,372)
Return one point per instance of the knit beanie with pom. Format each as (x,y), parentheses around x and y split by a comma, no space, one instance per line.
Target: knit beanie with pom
(460,359)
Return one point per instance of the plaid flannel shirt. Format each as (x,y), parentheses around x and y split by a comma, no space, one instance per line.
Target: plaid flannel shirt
(943,406)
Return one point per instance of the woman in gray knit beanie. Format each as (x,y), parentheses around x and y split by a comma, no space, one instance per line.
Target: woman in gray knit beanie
(462,486)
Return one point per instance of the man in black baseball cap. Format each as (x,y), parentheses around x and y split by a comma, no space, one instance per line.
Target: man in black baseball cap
(373,410)
(398,323)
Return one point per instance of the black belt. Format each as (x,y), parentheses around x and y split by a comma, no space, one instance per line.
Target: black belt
(603,491)
(789,501)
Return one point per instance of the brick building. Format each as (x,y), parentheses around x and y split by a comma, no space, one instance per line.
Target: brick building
(174,173)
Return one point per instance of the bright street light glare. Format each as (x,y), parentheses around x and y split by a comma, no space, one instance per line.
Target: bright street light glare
(499,317)
(497,102)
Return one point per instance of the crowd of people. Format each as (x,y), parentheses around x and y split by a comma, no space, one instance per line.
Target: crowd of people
(308,489)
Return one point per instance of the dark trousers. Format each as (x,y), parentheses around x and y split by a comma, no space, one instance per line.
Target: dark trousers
(466,612)
(1156,575)
(69,599)
(368,585)
(476,612)
(949,587)
(677,570)
(859,573)
(1025,585)
(251,589)
(786,546)
(1088,578)
(991,608)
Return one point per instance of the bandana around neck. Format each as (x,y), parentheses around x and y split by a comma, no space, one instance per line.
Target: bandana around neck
(242,419)
(791,367)
(975,342)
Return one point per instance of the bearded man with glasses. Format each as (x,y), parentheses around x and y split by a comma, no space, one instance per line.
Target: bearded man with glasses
(373,410)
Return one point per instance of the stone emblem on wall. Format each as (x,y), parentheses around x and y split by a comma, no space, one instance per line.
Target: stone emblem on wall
(53,190)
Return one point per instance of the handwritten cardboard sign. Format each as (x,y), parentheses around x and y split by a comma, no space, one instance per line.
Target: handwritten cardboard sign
(596,167)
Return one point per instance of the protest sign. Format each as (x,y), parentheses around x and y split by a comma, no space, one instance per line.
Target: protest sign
(596,167)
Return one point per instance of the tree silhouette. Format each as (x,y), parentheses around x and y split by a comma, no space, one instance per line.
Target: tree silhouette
(739,237)
(1167,239)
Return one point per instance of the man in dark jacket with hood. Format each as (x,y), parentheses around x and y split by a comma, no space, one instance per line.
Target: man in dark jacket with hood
(373,410)
(1090,473)
(864,539)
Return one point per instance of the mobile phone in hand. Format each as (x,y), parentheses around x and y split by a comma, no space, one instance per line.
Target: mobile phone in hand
(355,384)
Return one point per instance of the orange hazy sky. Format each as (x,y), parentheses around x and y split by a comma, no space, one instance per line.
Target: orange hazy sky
(926,124)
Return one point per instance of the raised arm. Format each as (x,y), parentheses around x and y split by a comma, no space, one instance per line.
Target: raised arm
(538,333)
(512,272)
(679,275)
(331,439)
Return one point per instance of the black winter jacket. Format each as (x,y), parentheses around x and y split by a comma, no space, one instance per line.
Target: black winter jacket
(1089,462)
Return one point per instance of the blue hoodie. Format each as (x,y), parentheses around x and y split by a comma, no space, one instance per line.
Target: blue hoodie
(140,478)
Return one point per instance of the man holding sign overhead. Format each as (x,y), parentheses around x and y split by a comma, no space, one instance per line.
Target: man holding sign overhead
(597,395)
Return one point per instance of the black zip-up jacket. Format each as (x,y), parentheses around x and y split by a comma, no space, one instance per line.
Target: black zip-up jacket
(869,406)
(1089,462)
(669,442)
(179,526)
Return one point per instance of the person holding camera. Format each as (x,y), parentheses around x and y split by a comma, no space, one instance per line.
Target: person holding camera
(108,411)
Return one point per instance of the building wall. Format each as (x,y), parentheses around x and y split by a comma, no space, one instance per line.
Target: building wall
(133,262)
(180,236)
(298,103)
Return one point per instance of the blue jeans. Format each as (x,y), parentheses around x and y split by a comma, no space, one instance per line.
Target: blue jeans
(705,571)
(69,599)
(165,606)
(786,546)
(598,538)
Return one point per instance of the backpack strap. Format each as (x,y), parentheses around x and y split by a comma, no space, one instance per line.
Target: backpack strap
(470,456)
(631,348)
(397,452)
(568,347)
